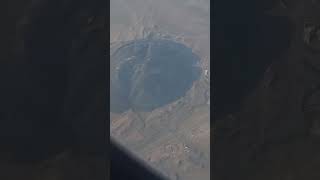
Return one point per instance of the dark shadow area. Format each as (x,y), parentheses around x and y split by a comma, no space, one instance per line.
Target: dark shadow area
(245,41)
(53,87)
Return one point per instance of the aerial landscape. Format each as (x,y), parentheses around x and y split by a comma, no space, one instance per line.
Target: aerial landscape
(160,84)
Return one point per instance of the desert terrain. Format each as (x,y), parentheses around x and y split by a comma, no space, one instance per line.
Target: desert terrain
(173,137)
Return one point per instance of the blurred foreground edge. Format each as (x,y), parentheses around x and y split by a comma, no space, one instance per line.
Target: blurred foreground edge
(125,166)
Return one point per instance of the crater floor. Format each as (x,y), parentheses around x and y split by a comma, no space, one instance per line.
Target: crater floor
(150,73)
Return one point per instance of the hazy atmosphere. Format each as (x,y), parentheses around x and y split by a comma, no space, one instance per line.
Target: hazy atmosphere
(160,83)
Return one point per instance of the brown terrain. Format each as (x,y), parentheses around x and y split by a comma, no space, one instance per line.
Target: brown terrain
(174,138)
